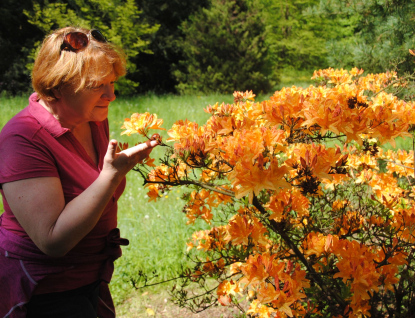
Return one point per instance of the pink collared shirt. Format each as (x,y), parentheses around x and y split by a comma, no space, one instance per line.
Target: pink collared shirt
(34,144)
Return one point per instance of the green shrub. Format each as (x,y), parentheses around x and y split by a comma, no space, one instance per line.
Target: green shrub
(225,49)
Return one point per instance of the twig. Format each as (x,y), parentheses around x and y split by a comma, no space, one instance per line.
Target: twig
(391,83)
(197,183)
(398,164)
(158,283)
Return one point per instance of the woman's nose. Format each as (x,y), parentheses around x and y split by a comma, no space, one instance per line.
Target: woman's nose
(109,93)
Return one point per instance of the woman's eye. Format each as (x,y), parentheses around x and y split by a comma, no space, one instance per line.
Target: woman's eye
(97,87)
(100,86)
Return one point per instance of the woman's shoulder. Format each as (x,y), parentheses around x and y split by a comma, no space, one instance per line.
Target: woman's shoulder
(23,124)
(24,153)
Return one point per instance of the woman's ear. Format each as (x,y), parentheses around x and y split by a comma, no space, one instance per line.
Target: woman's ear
(57,93)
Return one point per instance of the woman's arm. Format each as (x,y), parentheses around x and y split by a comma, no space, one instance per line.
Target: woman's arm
(39,205)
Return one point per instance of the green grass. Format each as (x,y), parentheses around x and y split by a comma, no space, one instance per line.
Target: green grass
(292,77)
(10,107)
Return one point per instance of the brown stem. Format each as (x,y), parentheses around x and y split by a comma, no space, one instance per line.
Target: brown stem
(194,182)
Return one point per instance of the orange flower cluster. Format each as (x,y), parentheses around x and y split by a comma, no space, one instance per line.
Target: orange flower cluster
(278,284)
(141,124)
(242,230)
(404,223)
(285,201)
(201,203)
(160,175)
(190,137)
(343,108)
(302,193)
(208,239)
(400,162)
(358,268)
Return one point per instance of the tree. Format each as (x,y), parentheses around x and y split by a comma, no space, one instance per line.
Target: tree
(384,32)
(299,225)
(225,49)
(297,36)
(119,20)
(16,35)
(155,69)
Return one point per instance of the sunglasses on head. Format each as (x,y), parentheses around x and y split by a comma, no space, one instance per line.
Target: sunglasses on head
(76,41)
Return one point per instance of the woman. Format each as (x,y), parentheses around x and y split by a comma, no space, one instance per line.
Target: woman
(60,179)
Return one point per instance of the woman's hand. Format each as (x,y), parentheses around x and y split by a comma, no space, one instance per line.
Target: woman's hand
(116,165)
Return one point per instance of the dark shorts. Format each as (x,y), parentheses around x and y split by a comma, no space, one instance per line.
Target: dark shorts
(78,303)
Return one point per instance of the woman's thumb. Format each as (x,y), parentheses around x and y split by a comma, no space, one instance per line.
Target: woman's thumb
(112,148)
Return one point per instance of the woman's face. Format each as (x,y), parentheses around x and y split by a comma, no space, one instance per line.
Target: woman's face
(88,104)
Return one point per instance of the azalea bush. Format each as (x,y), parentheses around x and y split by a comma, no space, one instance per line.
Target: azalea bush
(307,215)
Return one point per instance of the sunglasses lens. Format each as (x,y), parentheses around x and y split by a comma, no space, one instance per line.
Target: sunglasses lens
(97,35)
(76,40)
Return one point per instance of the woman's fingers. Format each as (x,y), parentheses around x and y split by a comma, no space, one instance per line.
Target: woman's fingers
(122,162)
(144,148)
(136,150)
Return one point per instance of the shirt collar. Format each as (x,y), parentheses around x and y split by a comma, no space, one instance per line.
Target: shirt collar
(45,118)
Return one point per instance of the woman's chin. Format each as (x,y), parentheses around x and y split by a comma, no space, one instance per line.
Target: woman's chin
(101,113)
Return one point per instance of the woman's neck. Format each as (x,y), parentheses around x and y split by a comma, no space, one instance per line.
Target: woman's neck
(73,127)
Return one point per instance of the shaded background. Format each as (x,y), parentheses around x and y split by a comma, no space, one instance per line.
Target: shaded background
(185,46)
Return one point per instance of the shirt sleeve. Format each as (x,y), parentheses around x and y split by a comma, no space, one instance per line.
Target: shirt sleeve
(23,158)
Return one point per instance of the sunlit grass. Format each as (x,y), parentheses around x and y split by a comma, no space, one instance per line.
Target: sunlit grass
(10,107)
(293,77)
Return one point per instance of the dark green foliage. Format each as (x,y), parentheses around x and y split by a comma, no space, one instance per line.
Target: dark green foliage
(15,34)
(216,45)
(225,49)
(384,31)
(298,36)
(155,69)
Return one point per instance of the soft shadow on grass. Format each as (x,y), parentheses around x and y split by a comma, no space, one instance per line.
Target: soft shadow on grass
(155,302)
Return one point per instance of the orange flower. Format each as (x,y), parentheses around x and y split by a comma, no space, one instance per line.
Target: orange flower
(153,193)
(141,124)
(241,230)
(260,310)
(317,244)
(240,96)
(401,162)
(286,200)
